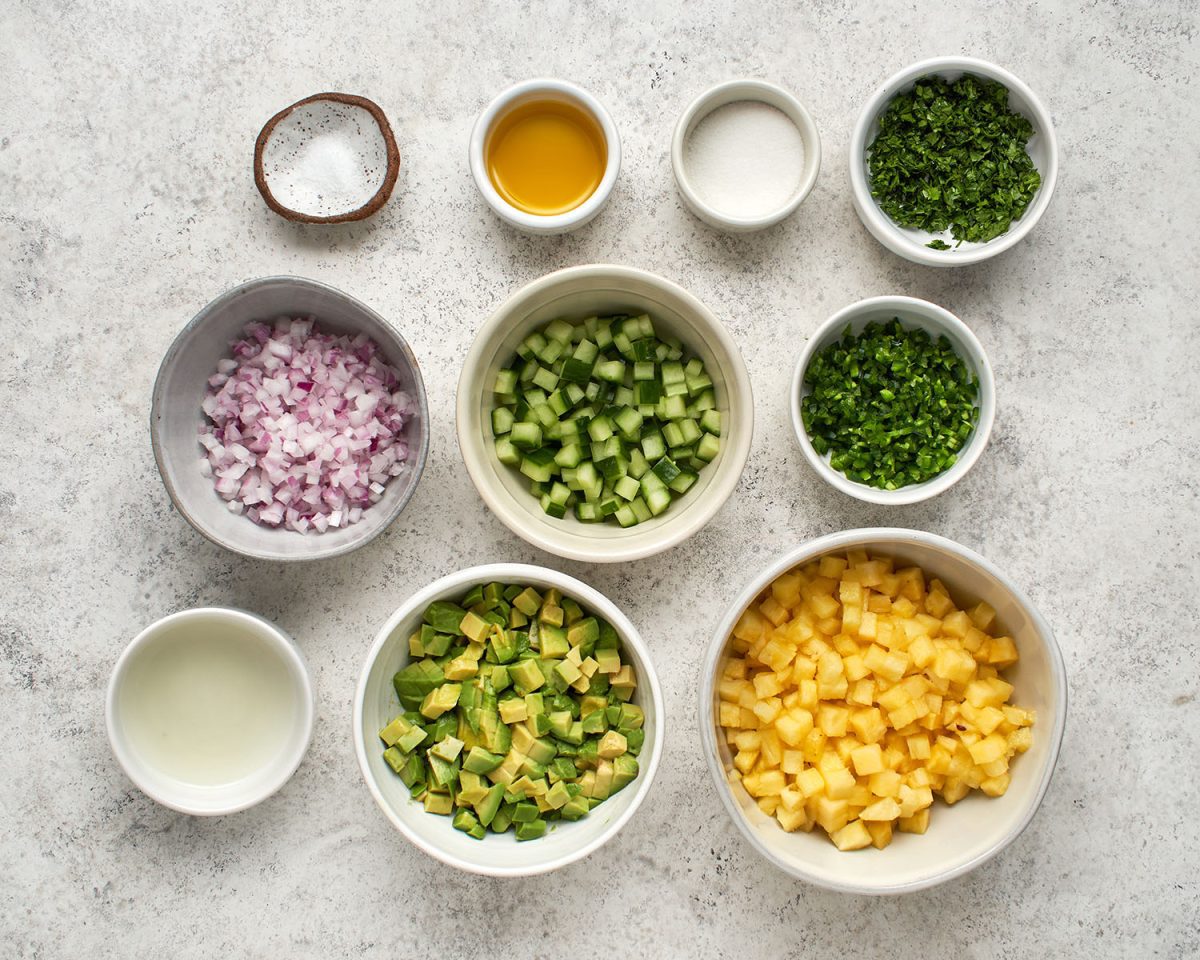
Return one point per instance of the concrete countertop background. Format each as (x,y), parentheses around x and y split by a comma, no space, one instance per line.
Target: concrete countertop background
(126,203)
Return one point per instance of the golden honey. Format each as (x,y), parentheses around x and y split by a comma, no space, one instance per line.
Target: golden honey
(546,157)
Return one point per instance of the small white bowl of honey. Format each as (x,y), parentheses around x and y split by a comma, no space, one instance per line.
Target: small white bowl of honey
(545,154)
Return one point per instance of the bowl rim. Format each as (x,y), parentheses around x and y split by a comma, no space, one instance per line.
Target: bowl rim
(531,222)
(572,546)
(416,458)
(882,227)
(279,640)
(811,549)
(590,597)
(760,91)
(374,203)
(931,314)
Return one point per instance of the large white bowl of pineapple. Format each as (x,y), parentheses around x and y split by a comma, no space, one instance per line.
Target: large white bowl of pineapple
(882,711)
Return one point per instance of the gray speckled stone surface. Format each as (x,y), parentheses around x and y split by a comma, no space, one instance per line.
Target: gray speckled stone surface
(125,140)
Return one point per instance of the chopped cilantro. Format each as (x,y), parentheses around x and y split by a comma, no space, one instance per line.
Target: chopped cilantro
(951,156)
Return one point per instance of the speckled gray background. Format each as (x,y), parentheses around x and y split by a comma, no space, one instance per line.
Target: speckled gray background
(126,203)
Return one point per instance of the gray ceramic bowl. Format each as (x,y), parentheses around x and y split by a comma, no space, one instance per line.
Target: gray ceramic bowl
(175,415)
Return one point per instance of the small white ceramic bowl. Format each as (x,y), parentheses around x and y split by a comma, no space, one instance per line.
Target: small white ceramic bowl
(960,837)
(910,243)
(582,292)
(497,855)
(201,800)
(175,415)
(912,313)
(730,92)
(544,89)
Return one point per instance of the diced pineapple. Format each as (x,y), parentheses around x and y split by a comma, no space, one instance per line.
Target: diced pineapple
(853,836)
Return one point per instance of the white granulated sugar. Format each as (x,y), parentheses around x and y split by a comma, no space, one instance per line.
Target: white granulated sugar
(744,159)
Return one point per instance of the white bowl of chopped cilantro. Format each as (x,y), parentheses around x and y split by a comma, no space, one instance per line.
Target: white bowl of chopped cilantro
(893,400)
(499,683)
(952,161)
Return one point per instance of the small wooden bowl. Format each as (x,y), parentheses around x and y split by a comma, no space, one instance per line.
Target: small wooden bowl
(279,152)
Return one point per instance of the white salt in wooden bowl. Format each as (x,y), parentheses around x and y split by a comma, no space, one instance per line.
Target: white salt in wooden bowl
(330,158)
(753,91)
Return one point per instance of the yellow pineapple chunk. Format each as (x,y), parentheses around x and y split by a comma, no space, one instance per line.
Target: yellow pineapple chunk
(853,836)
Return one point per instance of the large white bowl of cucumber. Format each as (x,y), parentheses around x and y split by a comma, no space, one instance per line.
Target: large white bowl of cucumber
(508,720)
(604,413)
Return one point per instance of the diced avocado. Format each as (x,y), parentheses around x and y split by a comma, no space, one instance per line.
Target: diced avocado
(613,715)
(437,644)
(632,717)
(541,751)
(531,830)
(623,682)
(395,759)
(634,739)
(413,771)
(444,726)
(474,596)
(575,734)
(525,812)
(513,710)
(443,774)
(394,731)
(574,809)
(461,668)
(560,723)
(471,788)
(553,642)
(445,617)
(526,676)
(465,821)
(584,633)
(415,681)
(604,779)
(571,610)
(509,767)
(503,644)
(516,618)
(440,699)
(493,594)
(487,808)
(538,724)
(439,803)
(411,740)
(566,749)
(595,722)
(415,647)
(567,671)
(522,739)
(502,821)
(612,744)
(588,755)
(528,601)
(448,749)
(499,677)
(474,626)
(532,769)
(557,795)
(609,660)
(625,771)
(608,637)
(535,703)
(591,704)
(481,761)
(561,768)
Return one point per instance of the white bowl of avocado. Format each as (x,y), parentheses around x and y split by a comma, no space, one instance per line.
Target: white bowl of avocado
(508,720)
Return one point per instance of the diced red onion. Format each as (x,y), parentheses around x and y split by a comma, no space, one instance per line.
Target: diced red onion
(305,429)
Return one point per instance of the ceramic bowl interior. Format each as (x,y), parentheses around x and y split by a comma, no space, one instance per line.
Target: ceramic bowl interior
(176,415)
(734,91)
(498,854)
(912,313)
(960,837)
(330,158)
(575,293)
(526,92)
(911,243)
(205,800)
